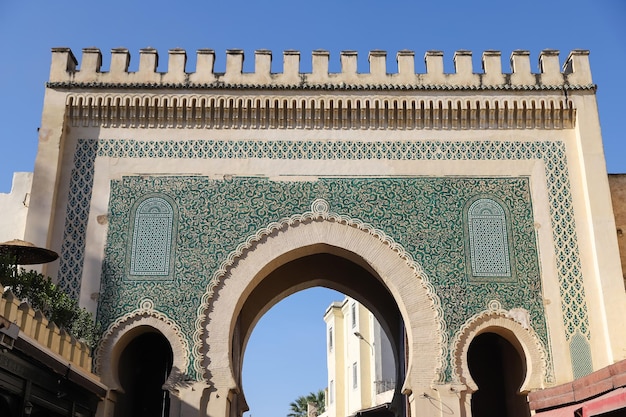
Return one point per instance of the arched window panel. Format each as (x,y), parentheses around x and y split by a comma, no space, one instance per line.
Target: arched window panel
(488,242)
(151,254)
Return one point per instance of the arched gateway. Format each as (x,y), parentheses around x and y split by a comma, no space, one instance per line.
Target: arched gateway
(323,249)
(467,211)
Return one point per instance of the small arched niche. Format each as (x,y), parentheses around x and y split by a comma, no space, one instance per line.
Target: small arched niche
(124,339)
(518,334)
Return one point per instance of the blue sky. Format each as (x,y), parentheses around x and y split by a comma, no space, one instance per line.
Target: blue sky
(29,29)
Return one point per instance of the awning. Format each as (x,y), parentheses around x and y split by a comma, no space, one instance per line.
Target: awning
(567,411)
(610,401)
(376,411)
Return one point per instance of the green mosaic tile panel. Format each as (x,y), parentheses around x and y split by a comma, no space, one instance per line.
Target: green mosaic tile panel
(580,352)
(424,215)
(553,155)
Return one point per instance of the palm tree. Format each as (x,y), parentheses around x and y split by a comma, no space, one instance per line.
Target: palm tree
(299,407)
(318,400)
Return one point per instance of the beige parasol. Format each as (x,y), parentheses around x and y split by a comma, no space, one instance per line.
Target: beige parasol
(21,252)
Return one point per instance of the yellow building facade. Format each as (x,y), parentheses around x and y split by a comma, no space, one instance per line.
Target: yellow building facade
(360,362)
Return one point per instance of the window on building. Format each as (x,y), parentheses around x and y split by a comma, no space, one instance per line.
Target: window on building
(152,238)
(331,392)
(488,239)
(353,314)
(355,379)
(330,338)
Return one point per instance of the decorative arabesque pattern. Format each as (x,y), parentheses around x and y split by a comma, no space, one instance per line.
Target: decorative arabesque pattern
(488,240)
(145,309)
(152,238)
(301,112)
(552,153)
(76,217)
(115,296)
(417,217)
(496,316)
(320,211)
(580,350)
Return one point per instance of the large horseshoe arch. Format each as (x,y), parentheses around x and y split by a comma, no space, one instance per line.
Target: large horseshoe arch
(318,252)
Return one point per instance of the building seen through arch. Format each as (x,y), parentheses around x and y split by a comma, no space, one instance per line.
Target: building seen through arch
(362,370)
(470,212)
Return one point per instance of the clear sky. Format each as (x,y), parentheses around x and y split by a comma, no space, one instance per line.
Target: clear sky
(29,29)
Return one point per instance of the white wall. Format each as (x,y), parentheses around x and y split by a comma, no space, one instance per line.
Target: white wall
(14,206)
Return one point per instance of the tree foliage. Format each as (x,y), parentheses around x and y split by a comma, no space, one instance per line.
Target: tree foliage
(299,407)
(42,294)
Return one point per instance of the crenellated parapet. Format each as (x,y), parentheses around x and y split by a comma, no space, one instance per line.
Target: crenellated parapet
(349,99)
(575,73)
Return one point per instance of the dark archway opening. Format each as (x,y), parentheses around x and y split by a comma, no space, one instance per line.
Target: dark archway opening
(499,371)
(8,405)
(144,366)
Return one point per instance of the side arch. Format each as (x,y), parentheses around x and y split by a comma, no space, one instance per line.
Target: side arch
(284,241)
(124,329)
(514,326)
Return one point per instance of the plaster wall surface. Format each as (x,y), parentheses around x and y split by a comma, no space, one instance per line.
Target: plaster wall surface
(14,206)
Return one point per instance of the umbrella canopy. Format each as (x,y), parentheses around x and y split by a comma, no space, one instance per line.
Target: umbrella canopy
(26,253)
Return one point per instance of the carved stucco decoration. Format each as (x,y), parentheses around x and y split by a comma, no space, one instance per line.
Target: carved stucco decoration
(348,233)
(497,320)
(119,334)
